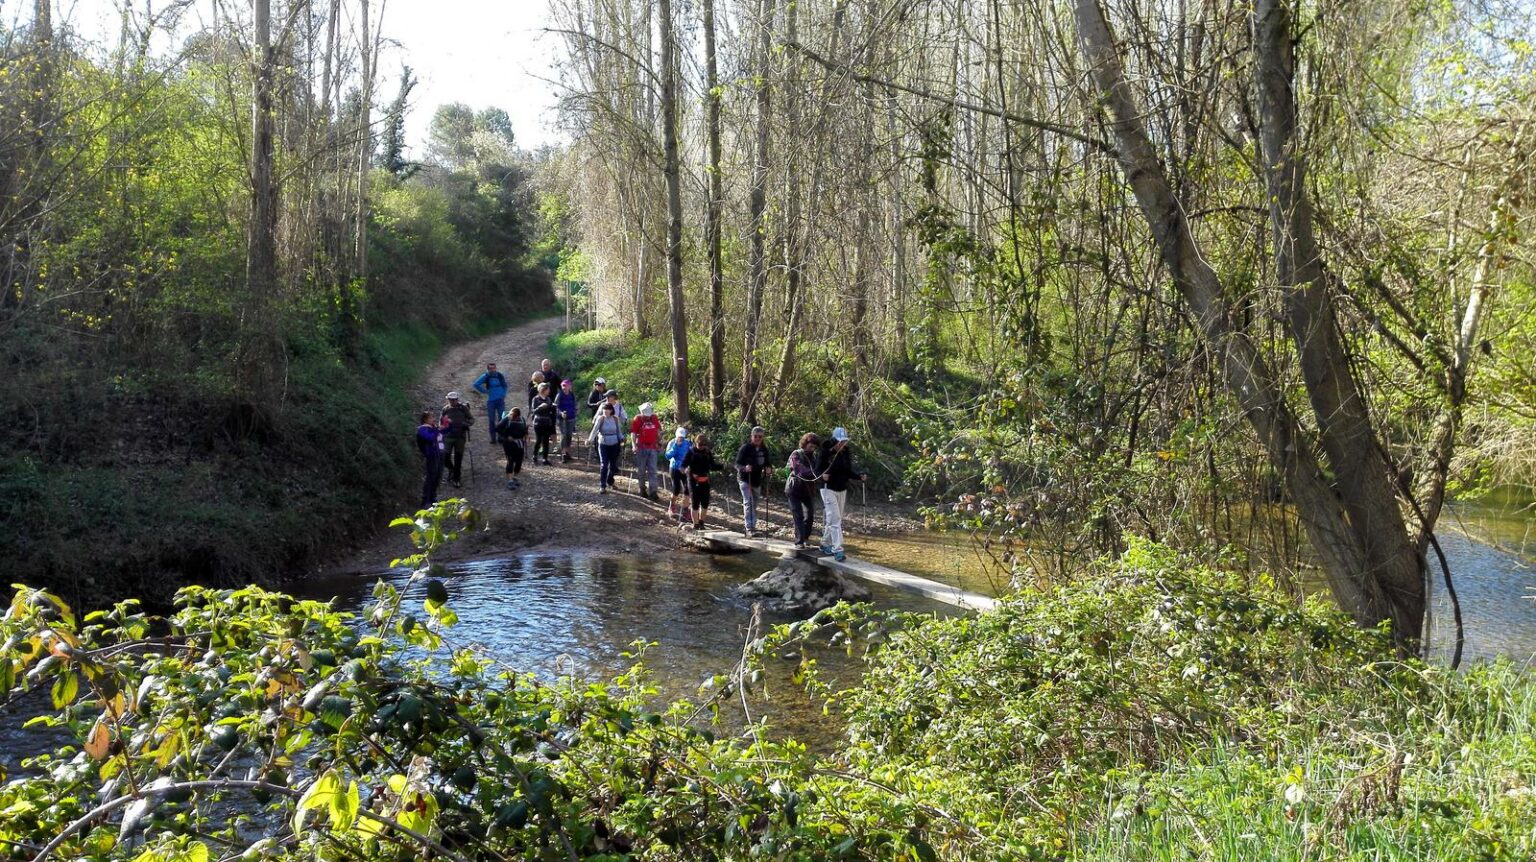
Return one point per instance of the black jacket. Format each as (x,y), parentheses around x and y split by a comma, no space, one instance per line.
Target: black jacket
(512,430)
(543,412)
(837,466)
(752,464)
(701,462)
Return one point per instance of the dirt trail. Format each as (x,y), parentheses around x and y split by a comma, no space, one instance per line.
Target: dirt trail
(556,506)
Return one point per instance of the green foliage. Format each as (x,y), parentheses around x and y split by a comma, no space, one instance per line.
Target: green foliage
(128,453)
(1154,711)
(638,368)
(247,713)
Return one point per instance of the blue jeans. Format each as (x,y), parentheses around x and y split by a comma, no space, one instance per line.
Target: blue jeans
(748,504)
(493,411)
(608,454)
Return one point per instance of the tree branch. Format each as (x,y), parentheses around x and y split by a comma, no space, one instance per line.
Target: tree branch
(1102,146)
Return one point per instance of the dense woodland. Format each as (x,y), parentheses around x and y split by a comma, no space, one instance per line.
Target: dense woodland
(220,273)
(1110,269)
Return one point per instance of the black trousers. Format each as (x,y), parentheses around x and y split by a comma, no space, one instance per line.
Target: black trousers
(514,450)
(803,511)
(454,452)
(432,474)
(541,437)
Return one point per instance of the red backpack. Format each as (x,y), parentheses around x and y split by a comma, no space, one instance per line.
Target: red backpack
(647,432)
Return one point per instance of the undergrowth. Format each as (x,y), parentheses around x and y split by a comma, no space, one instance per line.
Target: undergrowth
(1154,710)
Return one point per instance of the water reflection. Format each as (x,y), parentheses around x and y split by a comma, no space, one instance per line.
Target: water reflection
(577,613)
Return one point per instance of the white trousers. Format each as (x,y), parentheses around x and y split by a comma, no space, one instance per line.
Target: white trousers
(832,504)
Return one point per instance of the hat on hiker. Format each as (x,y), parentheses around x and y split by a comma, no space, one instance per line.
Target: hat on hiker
(599,382)
(614,394)
(646,409)
(454,395)
(681,433)
(758,429)
(840,434)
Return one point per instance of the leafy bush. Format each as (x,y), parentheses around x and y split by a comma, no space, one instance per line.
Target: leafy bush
(1158,712)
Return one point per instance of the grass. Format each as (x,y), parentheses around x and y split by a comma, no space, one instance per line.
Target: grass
(1450,779)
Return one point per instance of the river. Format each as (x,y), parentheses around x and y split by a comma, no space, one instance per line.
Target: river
(554,613)
(1490,545)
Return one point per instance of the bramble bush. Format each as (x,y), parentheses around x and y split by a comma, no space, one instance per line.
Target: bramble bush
(1156,710)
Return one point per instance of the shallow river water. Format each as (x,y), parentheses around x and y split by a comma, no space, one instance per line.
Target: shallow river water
(1490,546)
(578,613)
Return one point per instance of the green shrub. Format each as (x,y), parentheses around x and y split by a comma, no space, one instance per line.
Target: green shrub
(1155,711)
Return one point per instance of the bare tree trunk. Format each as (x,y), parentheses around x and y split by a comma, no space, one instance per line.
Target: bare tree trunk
(1360,589)
(673,171)
(257,359)
(369,50)
(1366,482)
(757,280)
(712,221)
(795,230)
(329,62)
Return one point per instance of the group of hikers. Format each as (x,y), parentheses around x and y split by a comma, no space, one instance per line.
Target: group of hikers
(817,468)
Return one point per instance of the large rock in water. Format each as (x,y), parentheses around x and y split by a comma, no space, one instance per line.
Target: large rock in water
(797,586)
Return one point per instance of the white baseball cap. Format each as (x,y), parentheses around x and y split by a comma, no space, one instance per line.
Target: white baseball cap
(839,433)
(454,395)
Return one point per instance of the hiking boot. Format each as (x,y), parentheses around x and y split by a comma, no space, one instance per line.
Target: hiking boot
(565,459)
(840,556)
(748,533)
(602,490)
(800,546)
(826,551)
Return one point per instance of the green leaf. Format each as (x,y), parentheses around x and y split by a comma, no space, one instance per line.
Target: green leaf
(344,807)
(64,690)
(319,795)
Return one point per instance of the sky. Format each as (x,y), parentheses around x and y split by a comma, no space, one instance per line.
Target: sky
(485,53)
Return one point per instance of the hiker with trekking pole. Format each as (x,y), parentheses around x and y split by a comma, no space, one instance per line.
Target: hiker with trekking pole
(751,477)
(800,488)
(676,454)
(457,420)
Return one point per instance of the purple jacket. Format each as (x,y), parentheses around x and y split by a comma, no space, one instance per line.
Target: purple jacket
(565,402)
(429,441)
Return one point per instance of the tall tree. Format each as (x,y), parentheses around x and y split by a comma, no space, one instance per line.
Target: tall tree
(392,147)
(258,360)
(670,60)
(1354,523)
(757,276)
(712,243)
